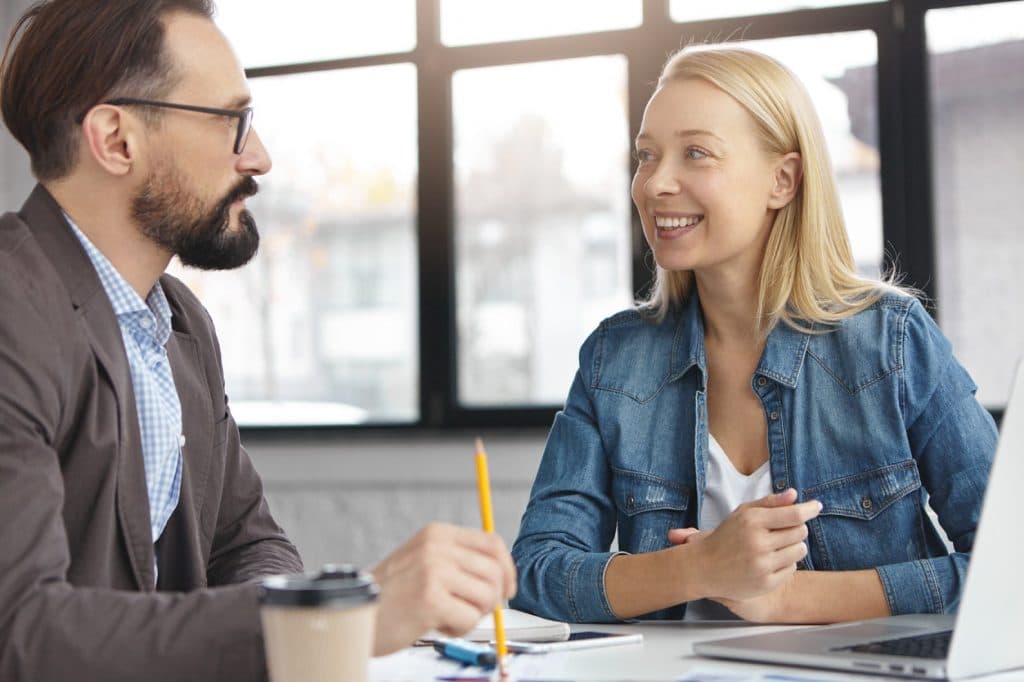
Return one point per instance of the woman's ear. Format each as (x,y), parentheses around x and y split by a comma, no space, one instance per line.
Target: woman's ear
(109,138)
(789,172)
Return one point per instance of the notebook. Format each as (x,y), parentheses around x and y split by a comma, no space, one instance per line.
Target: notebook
(519,626)
(987,634)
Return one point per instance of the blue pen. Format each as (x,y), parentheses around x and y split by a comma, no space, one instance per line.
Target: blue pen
(466,652)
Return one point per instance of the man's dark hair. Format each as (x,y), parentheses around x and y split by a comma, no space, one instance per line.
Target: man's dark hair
(65,56)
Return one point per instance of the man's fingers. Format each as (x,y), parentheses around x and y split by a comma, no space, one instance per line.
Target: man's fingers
(439,540)
(468,564)
(481,593)
(444,577)
(493,546)
(457,616)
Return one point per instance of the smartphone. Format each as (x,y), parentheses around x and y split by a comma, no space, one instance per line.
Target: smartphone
(577,640)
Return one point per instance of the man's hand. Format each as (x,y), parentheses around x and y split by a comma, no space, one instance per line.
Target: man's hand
(444,578)
(755,550)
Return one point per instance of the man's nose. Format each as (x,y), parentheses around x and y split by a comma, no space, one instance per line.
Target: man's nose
(254,159)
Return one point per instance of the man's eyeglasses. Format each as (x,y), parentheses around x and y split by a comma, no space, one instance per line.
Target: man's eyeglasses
(244,116)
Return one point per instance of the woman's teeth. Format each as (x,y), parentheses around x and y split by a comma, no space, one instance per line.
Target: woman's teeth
(671,223)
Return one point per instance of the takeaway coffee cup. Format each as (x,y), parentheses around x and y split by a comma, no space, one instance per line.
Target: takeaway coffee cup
(319,627)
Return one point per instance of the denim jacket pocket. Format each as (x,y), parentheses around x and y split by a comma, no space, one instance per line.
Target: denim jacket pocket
(867,519)
(648,507)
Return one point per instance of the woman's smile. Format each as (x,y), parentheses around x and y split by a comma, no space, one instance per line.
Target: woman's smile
(674,226)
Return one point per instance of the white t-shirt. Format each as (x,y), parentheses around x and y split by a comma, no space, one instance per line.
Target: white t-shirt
(725,489)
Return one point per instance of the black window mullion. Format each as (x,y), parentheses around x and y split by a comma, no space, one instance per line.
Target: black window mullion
(644,65)
(912,233)
(435,221)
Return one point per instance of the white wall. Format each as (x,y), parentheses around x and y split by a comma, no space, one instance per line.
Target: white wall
(353,499)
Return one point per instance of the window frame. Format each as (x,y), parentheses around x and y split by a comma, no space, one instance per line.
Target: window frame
(904,145)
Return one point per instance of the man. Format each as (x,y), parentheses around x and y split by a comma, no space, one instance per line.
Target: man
(132,523)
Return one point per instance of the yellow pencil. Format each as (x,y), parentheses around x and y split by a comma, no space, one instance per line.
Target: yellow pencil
(483,484)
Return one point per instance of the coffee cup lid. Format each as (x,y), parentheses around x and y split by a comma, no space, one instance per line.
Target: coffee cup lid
(333,585)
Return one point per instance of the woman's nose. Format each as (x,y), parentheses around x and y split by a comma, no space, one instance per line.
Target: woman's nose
(662,181)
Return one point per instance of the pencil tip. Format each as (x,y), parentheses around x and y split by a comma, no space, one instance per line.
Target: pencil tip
(479,444)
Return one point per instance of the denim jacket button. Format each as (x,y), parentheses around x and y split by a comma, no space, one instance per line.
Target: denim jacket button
(761,381)
(781,484)
(630,501)
(865,502)
(774,416)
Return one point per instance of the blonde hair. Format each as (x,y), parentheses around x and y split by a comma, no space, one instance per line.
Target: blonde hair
(808,277)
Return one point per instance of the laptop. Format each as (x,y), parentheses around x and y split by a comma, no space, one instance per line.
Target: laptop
(988,631)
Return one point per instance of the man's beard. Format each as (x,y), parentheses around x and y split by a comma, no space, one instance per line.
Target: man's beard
(202,238)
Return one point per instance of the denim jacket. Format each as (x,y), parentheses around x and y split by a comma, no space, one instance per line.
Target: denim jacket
(875,419)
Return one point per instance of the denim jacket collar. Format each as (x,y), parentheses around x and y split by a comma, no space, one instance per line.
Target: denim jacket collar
(688,346)
(781,361)
(783,355)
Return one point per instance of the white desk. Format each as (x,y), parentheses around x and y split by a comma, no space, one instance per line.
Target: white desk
(665,654)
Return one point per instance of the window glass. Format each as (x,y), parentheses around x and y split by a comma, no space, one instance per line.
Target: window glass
(975,65)
(465,22)
(321,328)
(693,10)
(839,71)
(542,222)
(270,32)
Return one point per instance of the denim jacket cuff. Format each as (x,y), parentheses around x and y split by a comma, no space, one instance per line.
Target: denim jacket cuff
(587,597)
(914,586)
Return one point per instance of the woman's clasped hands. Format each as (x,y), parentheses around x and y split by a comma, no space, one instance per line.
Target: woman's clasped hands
(748,562)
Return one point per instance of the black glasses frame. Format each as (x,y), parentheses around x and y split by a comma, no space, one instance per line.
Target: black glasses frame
(244,116)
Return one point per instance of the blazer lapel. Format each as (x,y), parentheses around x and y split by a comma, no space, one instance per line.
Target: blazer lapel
(132,495)
(50,228)
(197,418)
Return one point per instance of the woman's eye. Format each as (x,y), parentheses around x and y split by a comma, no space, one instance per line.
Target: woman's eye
(696,153)
(643,155)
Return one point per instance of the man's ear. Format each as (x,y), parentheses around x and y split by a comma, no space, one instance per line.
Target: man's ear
(789,172)
(111,138)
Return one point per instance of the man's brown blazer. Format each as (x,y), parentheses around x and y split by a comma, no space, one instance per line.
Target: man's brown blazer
(77,594)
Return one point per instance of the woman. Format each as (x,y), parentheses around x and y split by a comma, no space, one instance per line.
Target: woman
(767,409)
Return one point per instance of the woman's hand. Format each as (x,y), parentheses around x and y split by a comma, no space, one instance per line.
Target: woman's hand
(816,597)
(770,607)
(753,552)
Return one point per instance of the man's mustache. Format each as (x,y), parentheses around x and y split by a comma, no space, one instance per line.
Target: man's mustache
(245,188)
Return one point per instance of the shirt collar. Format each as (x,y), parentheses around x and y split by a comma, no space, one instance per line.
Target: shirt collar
(126,302)
(783,355)
(781,361)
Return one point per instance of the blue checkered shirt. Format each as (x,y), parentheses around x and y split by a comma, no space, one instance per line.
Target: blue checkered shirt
(145,328)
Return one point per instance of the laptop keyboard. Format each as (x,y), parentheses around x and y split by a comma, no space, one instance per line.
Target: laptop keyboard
(933,645)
